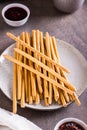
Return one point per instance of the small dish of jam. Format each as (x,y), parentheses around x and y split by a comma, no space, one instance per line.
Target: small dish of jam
(15,14)
(70,124)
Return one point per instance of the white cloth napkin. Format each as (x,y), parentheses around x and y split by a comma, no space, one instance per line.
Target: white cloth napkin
(16,122)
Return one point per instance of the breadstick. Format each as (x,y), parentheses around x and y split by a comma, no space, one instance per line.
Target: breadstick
(38,68)
(36,51)
(38,40)
(15,87)
(22,93)
(15,81)
(44,71)
(43,61)
(46,99)
(48,53)
(70,98)
(76,99)
(55,49)
(30,101)
(59,102)
(62,98)
(32,76)
(56,93)
(30,83)
(25,71)
(17,67)
(34,45)
(35,55)
(19,72)
(37,101)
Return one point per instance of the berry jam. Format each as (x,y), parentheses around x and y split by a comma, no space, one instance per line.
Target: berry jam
(15,13)
(70,126)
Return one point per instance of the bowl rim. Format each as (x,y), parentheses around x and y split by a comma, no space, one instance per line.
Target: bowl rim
(80,122)
(8,6)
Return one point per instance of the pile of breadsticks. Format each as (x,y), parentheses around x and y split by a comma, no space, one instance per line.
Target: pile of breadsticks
(38,74)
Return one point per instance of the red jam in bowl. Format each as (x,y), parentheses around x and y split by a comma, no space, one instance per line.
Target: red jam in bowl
(15,13)
(71,126)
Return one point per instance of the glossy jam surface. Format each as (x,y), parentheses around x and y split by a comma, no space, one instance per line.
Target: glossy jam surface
(70,126)
(15,13)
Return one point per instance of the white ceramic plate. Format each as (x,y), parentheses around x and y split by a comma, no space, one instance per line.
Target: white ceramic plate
(70,57)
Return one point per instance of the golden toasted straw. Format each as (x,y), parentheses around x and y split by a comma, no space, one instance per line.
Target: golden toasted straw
(75,97)
(14,86)
(19,71)
(30,82)
(23,89)
(25,71)
(34,44)
(56,93)
(45,85)
(23,93)
(38,44)
(15,81)
(48,53)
